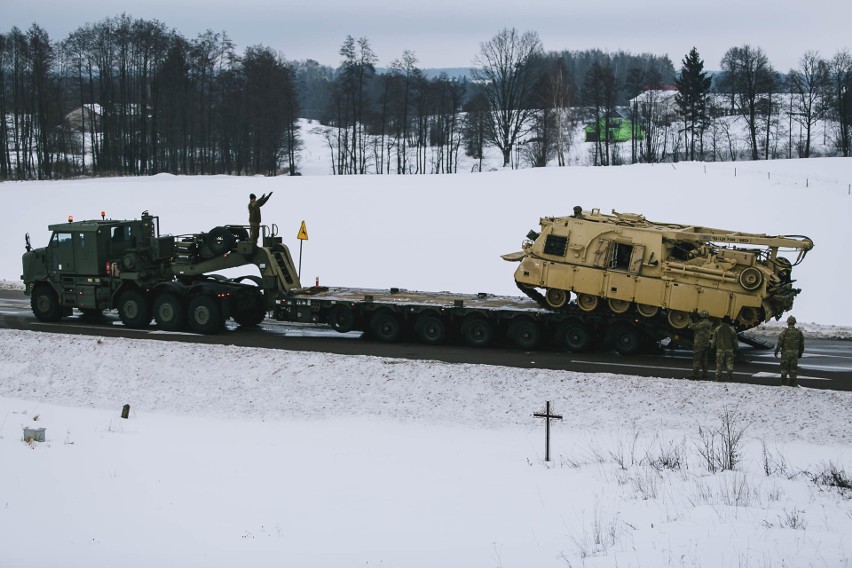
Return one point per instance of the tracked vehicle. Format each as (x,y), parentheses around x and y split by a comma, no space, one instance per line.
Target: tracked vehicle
(625,264)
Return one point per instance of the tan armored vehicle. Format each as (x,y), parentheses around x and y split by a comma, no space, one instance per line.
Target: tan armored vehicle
(625,262)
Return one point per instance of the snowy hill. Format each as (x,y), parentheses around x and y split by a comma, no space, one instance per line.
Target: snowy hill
(268,458)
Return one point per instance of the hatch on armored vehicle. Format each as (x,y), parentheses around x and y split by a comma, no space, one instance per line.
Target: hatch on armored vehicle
(623,262)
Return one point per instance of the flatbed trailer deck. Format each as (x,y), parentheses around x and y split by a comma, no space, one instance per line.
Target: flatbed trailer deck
(475,319)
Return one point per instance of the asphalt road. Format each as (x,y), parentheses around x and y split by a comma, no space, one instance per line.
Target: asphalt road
(827,364)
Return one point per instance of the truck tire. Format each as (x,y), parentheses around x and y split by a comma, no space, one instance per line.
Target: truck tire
(134,309)
(341,318)
(205,315)
(45,304)
(524,334)
(220,240)
(477,331)
(170,312)
(574,336)
(431,330)
(385,326)
(627,340)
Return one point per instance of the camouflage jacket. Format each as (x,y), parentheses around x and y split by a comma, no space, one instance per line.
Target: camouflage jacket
(254,209)
(725,338)
(701,330)
(791,341)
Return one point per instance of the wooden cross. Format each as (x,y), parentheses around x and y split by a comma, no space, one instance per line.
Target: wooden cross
(547,418)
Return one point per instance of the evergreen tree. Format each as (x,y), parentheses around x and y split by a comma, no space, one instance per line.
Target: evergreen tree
(693,88)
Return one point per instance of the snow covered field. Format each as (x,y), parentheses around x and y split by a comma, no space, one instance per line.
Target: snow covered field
(235,456)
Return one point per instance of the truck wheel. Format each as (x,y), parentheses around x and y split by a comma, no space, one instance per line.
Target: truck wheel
(385,326)
(169,312)
(134,309)
(524,333)
(627,340)
(45,304)
(341,318)
(574,336)
(477,331)
(431,330)
(220,240)
(205,315)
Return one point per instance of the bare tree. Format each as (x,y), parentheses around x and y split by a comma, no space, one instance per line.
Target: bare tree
(506,71)
(840,79)
(808,84)
(749,77)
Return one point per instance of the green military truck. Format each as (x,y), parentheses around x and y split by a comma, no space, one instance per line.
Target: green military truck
(126,265)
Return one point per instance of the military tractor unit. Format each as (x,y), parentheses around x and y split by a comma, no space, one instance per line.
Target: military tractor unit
(129,267)
(617,281)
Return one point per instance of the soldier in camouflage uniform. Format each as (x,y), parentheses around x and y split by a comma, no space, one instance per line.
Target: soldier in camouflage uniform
(726,343)
(791,344)
(702,329)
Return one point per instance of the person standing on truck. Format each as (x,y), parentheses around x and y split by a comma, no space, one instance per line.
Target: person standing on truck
(791,344)
(254,214)
(726,343)
(702,329)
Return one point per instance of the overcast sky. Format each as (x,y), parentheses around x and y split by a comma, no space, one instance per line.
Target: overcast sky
(447,33)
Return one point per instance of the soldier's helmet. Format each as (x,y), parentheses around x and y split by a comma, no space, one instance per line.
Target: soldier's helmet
(791,320)
(704,314)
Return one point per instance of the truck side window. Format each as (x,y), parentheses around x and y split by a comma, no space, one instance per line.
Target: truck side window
(62,239)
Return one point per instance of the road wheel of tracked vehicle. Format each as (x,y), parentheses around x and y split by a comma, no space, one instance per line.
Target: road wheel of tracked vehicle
(45,304)
(341,318)
(751,278)
(556,298)
(431,329)
(169,312)
(253,312)
(524,333)
(385,326)
(647,311)
(205,315)
(749,317)
(477,331)
(134,309)
(220,240)
(627,340)
(574,336)
(587,302)
(678,319)
(618,306)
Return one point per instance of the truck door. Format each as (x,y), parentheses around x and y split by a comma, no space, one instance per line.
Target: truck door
(62,252)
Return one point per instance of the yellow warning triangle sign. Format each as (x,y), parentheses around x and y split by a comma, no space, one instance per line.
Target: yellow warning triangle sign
(303,232)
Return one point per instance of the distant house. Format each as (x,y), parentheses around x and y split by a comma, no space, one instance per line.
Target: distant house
(90,113)
(618,130)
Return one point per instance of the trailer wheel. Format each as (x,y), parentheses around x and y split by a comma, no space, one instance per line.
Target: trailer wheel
(341,318)
(385,326)
(254,314)
(431,330)
(627,340)
(477,331)
(574,336)
(169,312)
(205,315)
(134,309)
(524,333)
(45,304)
(220,240)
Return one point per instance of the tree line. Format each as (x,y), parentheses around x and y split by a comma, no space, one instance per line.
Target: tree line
(131,97)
